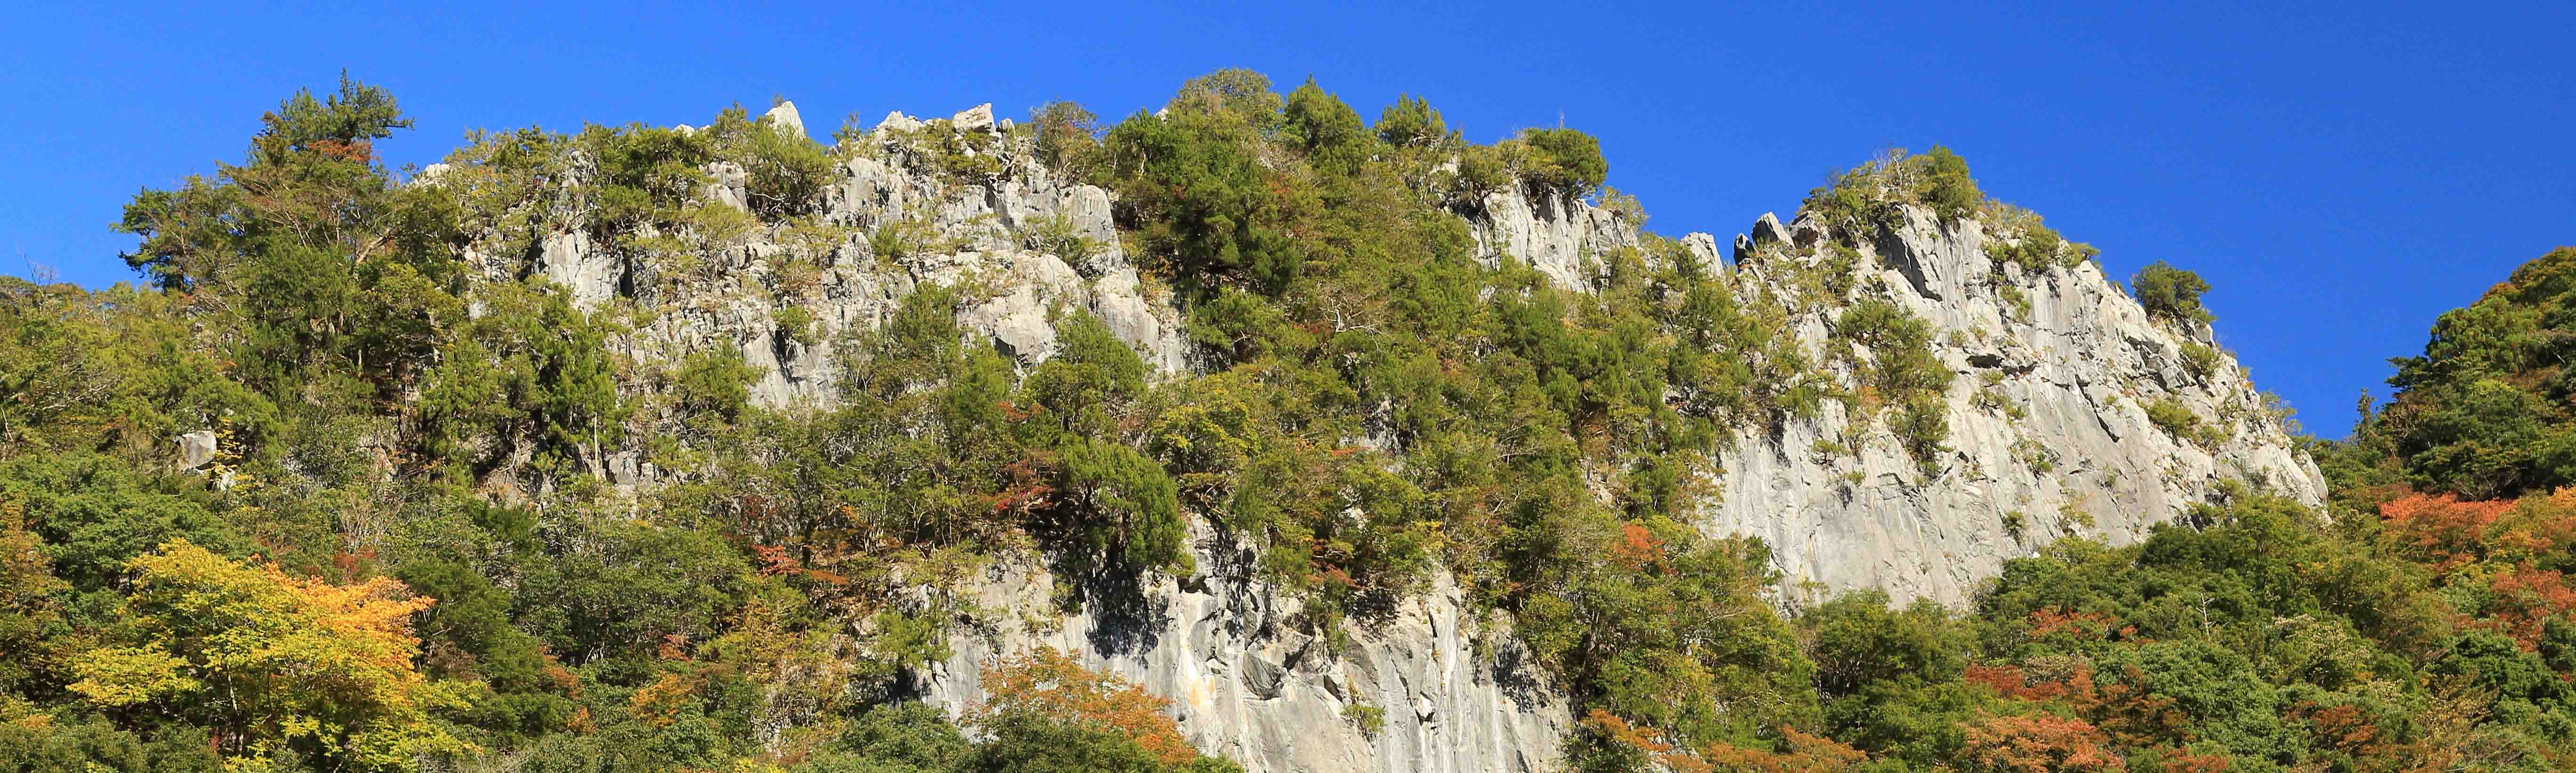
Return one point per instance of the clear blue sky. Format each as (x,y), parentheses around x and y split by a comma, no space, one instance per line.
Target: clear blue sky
(2341,172)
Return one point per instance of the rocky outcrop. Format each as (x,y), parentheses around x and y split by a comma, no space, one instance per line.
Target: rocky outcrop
(974,119)
(2049,431)
(1556,234)
(986,233)
(196,449)
(784,116)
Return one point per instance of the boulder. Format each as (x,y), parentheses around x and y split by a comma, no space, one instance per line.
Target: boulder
(895,120)
(785,119)
(726,183)
(1263,678)
(974,119)
(1703,251)
(1807,230)
(1767,228)
(196,449)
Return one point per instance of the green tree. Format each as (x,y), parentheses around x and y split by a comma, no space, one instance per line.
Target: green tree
(1330,132)
(1563,162)
(1411,122)
(1199,200)
(2170,293)
(1068,138)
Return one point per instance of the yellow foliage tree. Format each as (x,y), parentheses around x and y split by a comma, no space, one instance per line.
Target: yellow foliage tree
(274,664)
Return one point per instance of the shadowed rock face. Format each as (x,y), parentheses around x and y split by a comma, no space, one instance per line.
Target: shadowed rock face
(2059,436)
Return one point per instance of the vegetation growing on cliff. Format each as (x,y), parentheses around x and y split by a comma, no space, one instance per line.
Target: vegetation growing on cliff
(1377,403)
(406,542)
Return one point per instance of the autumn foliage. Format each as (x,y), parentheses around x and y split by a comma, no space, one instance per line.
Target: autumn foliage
(1796,751)
(1052,685)
(274,663)
(2040,744)
(2441,529)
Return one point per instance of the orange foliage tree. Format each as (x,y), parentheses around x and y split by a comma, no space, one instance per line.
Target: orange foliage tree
(2525,600)
(2120,712)
(1052,685)
(2440,529)
(2039,744)
(1804,751)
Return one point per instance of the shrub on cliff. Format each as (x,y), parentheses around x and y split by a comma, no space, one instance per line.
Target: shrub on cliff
(2170,293)
(1563,162)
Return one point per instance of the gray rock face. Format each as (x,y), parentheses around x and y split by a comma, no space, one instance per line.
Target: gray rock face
(982,231)
(2048,431)
(196,449)
(429,175)
(569,259)
(1556,234)
(2048,425)
(895,120)
(1246,683)
(974,119)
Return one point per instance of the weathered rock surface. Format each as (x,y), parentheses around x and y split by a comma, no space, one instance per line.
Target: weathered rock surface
(734,298)
(1245,681)
(1558,235)
(2048,420)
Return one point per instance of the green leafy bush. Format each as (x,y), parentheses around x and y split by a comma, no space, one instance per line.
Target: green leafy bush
(1867,199)
(1940,180)
(2199,359)
(1371,720)
(2173,417)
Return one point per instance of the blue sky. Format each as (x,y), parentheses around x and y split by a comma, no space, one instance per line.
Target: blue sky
(2341,173)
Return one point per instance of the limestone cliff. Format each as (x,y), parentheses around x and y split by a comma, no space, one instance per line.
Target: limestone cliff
(2049,430)
(2049,422)
(2049,433)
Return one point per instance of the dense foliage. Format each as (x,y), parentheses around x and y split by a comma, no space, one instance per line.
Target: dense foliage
(2485,411)
(405,551)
